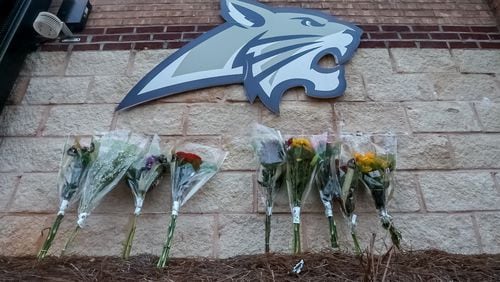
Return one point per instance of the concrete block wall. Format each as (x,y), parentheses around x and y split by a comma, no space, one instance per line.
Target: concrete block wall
(444,104)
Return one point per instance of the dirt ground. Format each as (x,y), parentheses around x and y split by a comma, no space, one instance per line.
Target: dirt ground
(393,266)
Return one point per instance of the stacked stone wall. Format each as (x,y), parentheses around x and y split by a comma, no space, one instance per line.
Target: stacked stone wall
(443,104)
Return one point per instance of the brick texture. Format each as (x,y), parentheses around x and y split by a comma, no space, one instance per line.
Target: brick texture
(375,36)
(137,12)
(139,25)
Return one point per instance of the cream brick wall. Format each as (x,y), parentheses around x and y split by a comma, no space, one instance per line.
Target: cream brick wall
(444,104)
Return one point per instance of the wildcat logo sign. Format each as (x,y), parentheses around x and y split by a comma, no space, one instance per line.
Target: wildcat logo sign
(269,50)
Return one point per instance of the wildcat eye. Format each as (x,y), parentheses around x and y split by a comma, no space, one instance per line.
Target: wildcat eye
(310,22)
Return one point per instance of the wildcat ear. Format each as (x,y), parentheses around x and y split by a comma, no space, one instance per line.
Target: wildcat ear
(245,13)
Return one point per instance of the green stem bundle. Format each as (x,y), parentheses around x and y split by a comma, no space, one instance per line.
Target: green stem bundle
(164,257)
(357,248)
(130,238)
(301,161)
(70,240)
(270,185)
(349,183)
(333,232)
(395,236)
(268,231)
(296,238)
(50,237)
(393,231)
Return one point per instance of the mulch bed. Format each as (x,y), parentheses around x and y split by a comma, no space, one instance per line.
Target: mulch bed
(393,266)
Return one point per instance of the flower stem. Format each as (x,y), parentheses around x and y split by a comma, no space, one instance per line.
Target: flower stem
(296,238)
(130,238)
(268,231)
(50,237)
(387,223)
(333,232)
(163,260)
(395,236)
(357,248)
(70,240)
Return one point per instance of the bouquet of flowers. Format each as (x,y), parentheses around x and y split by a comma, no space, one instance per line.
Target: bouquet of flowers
(141,176)
(191,166)
(115,152)
(73,167)
(268,145)
(301,161)
(327,181)
(348,176)
(376,164)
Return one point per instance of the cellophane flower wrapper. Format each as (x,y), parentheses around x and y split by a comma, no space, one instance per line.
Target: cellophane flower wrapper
(301,160)
(326,180)
(144,174)
(191,166)
(74,164)
(375,157)
(73,167)
(268,145)
(348,178)
(115,153)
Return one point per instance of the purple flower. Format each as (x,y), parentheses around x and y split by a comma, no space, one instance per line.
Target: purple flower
(150,161)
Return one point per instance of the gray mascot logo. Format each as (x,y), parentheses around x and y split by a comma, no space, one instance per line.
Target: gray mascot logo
(269,50)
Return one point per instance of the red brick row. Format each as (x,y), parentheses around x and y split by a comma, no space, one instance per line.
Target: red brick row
(430,44)
(432,35)
(191,32)
(429,28)
(375,36)
(114,46)
(366,28)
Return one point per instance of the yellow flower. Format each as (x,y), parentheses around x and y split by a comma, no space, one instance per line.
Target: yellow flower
(300,142)
(364,158)
(370,161)
(383,163)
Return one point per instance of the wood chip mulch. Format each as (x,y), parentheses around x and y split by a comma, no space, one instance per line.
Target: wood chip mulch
(393,266)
